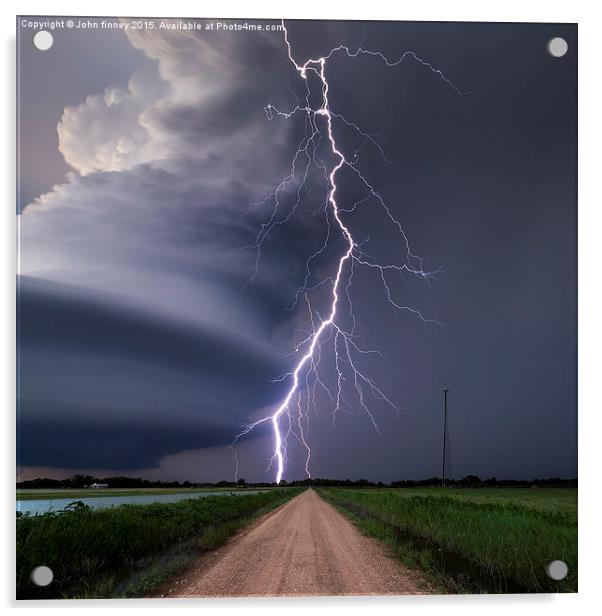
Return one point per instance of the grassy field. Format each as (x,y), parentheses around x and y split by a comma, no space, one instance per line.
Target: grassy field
(131,549)
(473,540)
(92,493)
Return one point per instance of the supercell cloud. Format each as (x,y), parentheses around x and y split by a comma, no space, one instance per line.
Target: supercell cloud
(132,325)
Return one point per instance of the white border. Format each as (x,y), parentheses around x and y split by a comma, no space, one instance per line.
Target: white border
(590,309)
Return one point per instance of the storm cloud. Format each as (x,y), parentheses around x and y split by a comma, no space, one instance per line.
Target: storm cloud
(99,375)
(142,347)
(132,323)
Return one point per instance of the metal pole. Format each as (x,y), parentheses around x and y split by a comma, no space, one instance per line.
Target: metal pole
(444,434)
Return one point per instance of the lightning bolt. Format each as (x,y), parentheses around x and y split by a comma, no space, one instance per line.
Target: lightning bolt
(301,393)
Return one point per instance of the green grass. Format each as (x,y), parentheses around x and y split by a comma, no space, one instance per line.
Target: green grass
(480,540)
(129,549)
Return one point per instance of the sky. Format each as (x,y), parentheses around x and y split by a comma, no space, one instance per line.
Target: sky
(151,330)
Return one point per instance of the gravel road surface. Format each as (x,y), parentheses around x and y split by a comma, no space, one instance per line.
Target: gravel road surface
(305,547)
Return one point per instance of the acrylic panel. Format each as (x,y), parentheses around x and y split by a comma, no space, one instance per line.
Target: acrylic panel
(296,307)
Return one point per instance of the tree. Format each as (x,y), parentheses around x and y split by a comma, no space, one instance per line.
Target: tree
(80,481)
(470,481)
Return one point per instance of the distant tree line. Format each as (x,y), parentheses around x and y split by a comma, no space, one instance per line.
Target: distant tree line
(473,481)
(351,483)
(79,481)
(470,481)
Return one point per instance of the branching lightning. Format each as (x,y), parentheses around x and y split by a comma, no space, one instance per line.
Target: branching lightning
(291,417)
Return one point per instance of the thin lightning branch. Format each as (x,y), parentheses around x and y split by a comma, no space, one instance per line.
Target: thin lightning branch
(305,377)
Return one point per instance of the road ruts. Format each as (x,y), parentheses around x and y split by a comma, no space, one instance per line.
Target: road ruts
(306,547)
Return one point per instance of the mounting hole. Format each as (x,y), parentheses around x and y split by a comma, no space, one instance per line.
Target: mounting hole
(43,40)
(557,47)
(557,570)
(42,575)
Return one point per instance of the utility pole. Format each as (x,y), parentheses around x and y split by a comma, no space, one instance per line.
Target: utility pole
(444,435)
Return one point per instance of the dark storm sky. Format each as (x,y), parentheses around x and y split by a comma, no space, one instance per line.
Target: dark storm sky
(140,354)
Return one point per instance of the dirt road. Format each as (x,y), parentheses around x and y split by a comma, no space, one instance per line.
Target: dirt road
(305,547)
